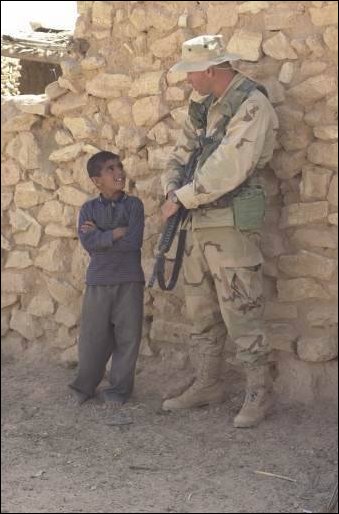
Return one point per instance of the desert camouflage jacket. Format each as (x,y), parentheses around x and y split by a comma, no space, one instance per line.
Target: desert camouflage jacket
(247,146)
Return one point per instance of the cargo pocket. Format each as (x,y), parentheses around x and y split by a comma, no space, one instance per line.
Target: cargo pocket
(242,288)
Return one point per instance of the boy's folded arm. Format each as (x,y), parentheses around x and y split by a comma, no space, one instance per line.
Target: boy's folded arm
(92,238)
(96,239)
(133,238)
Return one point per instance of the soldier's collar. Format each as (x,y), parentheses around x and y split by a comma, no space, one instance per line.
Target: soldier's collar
(234,82)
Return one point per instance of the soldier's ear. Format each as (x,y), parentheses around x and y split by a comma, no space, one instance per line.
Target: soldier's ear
(210,72)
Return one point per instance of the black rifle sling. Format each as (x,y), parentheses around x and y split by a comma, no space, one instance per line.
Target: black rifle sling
(169,234)
(176,267)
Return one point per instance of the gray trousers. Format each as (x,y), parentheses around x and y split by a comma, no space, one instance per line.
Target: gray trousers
(111,325)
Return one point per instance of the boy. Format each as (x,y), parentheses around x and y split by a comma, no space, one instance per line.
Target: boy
(111,231)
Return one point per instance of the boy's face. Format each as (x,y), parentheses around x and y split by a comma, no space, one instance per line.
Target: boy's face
(112,178)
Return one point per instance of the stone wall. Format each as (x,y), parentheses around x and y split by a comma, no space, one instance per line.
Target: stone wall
(10,76)
(120,97)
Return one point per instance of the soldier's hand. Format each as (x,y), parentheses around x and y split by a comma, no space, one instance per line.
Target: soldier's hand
(119,232)
(87,226)
(168,209)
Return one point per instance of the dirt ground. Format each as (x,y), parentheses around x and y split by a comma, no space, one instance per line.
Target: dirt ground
(61,458)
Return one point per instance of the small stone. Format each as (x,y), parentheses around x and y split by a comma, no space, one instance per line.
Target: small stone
(219,16)
(324,154)
(6,200)
(326,132)
(278,47)
(253,7)
(61,291)
(331,38)
(8,299)
(19,123)
(41,305)
(51,257)
(333,192)
(132,138)
(26,325)
(55,230)
(93,62)
(333,219)
(27,195)
(322,314)
(175,94)
(25,150)
(298,289)
(303,214)
(322,237)
(309,68)
(54,91)
(30,237)
(315,183)
(286,72)
(68,315)
(158,157)
(120,110)
(327,15)
(63,137)
(320,347)
(108,85)
(5,244)
(67,103)
(80,128)
(313,89)
(287,165)
(72,196)
(19,260)
(169,45)
(44,179)
(33,104)
(10,173)
(67,153)
(246,44)
(315,44)
(102,14)
(147,85)
(307,264)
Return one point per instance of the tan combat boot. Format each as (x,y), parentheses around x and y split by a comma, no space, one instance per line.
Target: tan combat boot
(206,389)
(258,398)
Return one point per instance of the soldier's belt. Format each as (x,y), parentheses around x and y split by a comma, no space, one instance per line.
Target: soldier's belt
(226,200)
(221,203)
(248,205)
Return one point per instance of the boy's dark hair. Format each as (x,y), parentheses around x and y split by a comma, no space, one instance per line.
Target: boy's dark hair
(96,162)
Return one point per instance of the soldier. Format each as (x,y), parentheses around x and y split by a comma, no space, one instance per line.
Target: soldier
(223,263)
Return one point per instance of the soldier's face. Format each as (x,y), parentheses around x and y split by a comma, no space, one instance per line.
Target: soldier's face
(200,81)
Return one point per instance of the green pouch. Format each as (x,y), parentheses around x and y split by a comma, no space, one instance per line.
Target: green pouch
(249,208)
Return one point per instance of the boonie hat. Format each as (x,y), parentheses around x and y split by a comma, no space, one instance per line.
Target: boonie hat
(202,52)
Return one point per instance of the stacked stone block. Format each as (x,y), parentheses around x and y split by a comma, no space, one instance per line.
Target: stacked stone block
(120,97)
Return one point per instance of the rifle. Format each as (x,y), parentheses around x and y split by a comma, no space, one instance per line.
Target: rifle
(169,233)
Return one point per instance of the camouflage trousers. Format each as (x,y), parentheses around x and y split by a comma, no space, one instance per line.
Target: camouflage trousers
(224,293)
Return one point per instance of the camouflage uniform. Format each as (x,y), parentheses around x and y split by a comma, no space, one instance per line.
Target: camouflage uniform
(222,264)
